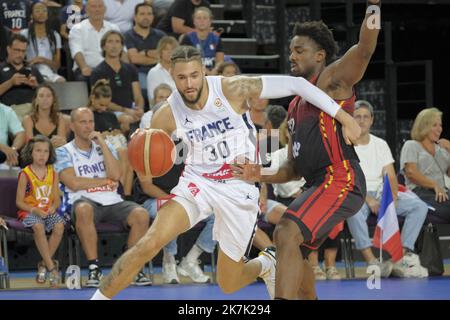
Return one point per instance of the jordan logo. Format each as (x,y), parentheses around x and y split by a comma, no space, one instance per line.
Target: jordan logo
(193,189)
(248,197)
(187,121)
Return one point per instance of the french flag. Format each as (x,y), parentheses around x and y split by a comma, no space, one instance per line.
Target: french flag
(387,232)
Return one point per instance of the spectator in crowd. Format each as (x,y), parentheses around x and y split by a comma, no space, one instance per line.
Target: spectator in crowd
(18,79)
(207,42)
(5,33)
(258,108)
(15,14)
(70,15)
(44,44)
(45,118)
(10,125)
(178,19)
(228,69)
(89,168)
(148,191)
(85,37)
(160,73)
(376,161)
(161,93)
(123,79)
(107,124)
(425,161)
(141,42)
(121,13)
(160,8)
(38,200)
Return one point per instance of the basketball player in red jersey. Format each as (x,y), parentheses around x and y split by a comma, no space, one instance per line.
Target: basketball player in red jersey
(318,152)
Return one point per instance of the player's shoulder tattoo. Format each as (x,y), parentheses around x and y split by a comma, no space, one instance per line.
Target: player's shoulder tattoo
(244,85)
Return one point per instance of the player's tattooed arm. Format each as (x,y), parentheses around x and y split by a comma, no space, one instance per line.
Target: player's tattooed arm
(240,88)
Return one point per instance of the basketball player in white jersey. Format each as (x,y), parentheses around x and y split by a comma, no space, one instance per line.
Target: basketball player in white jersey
(208,113)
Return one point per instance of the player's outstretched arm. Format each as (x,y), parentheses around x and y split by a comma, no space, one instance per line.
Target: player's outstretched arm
(350,69)
(163,119)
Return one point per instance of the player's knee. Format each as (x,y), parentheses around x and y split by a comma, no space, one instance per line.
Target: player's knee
(287,232)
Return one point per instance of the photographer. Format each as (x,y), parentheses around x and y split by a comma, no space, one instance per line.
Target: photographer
(17,79)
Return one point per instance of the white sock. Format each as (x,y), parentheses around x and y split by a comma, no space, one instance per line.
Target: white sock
(167,257)
(194,253)
(99,296)
(265,263)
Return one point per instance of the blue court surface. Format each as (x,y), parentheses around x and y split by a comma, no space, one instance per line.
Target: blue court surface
(437,288)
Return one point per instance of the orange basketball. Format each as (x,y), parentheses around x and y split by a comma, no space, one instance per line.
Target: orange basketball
(151,152)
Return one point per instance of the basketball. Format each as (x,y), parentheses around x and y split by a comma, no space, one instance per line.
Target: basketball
(151,152)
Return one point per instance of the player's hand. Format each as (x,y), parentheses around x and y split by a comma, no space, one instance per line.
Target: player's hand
(246,171)
(351,131)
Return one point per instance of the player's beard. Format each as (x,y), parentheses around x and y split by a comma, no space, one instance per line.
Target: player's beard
(187,101)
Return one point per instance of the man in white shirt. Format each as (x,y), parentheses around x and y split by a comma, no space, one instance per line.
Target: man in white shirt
(121,13)
(84,40)
(89,168)
(376,161)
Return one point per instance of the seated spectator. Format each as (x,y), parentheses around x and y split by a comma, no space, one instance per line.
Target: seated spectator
(70,15)
(45,118)
(15,14)
(376,161)
(160,9)
(123,79)
(5,33)
(121,13)
(107,124)
(178,19)
(147,192)
(10,125)
(44,44)
(228,69)
(18,79)
(38,200)
(85,38)
(425,161)
(89,168)
(206,41)
(161,93)
(141,42)
(160,73)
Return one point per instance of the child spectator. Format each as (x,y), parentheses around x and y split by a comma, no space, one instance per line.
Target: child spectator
(38,199)
(207,42)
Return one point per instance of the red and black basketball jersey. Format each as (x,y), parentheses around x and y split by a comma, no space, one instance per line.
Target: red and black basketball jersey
(317,139)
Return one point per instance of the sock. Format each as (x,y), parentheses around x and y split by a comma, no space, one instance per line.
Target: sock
(99,296)
(194,253)
(93,262)
(167,257)
(265,263)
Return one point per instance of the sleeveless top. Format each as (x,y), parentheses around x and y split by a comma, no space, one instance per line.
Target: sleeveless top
(215,135)
(38,192)
(317,140)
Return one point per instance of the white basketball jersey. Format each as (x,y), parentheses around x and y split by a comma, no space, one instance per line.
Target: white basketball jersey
(215,135)
(91,166)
